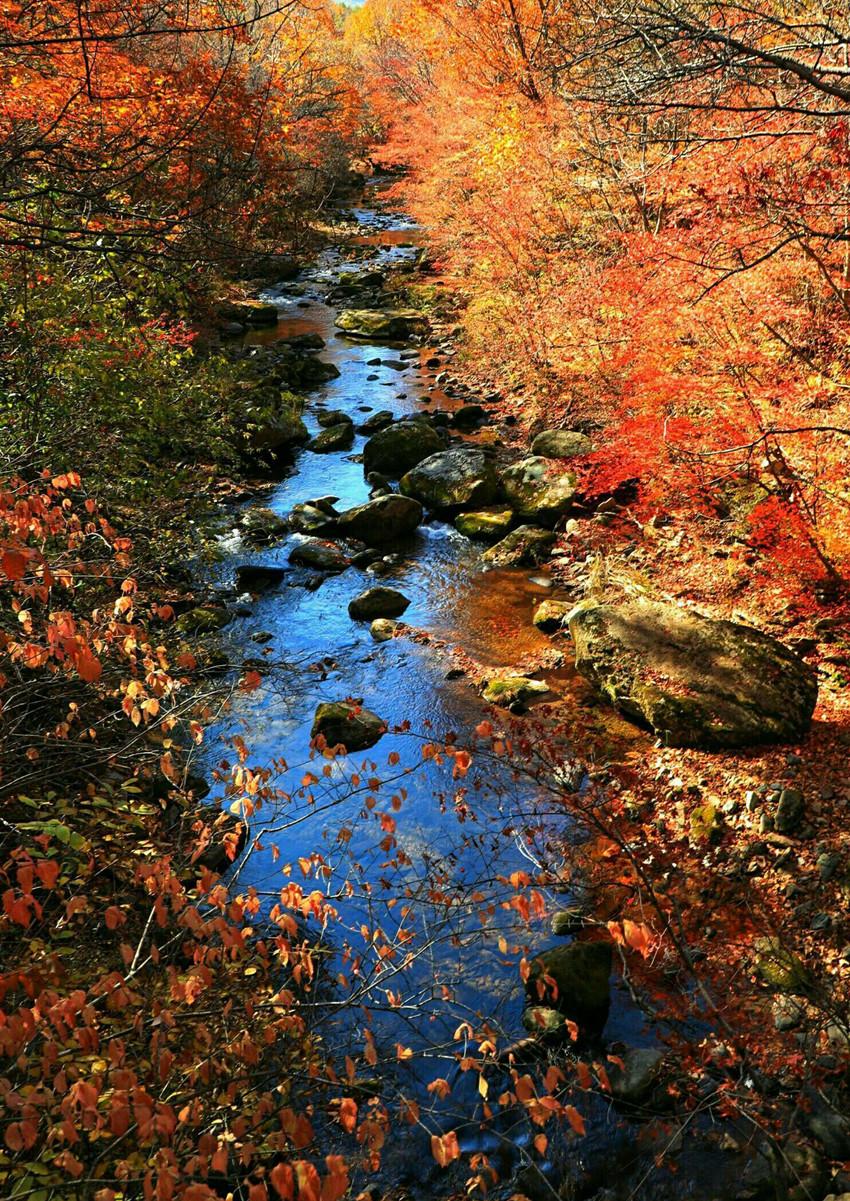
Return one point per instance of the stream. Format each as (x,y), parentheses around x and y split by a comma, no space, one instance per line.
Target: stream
(455,841)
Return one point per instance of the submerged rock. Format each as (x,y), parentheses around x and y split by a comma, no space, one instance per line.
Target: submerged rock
(508,690)
(318,554)
(539,488)
(452,479)
(485,525)
(383,519)
(335,437)
(526,546)
(378,602)
(560,444)
(396,325)
(400,446)
(697,682)
(342,722)
(574,980)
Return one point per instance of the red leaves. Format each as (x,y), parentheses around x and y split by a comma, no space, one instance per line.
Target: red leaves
(283,1181)
(445,1148)
(348,1114)
(574,1118)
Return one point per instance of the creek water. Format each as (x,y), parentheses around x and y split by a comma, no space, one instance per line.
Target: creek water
(456,841)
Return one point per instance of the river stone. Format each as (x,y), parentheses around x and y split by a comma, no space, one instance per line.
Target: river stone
(377,602)
(316,553)
(539,488)
(790,811)
(633,1082)
(202,620)
(249,312)
(396,325)
(258,577)
(539,1020)
(280,433)
(383,629)
(508,690)
(348,724)
(526,546)
(469,416)
(550,615)
(308,518)
(697,682)
(579,987)
(452,479)
(485,525)
(400,446)
(378,421)
(262,525)
(335,437)
(383,519)
(329,417)
(560,444)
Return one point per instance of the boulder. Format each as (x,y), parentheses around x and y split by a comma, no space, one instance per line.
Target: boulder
(335,437)
(560,444)
(394,325)
(329,417)
(485,525)
(202,620)
(539,489)
(261,525)
(550,615)
(469,417)
(277,434)
(316,553)
(310,518)
(377,421)
(509,690)
(634,1081)
(526,546)
(575,980)
(248,312)
(347,724)
(697,682)
(400,446)
(377,602)
(452,479)
(258,577)
(383,519)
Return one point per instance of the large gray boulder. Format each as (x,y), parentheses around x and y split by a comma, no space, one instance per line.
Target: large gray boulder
(452,479)
(383,519)
(400,446)
(697,682)
(539,489)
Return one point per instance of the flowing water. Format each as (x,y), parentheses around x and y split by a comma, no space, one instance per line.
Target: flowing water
(455,840)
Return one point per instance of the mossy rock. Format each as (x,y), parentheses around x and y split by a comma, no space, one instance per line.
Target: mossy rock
(539,489)
(344,723)
(202,620)
(781,969)
(383,519)
(697,682)
(393,325)
(544,1022)
(452,479)
(508,690)
(575,980)
(248,312)
(335,437)
(560,444)
(551,615)
(400,446)
(318,554)
(261,525)
(278,433)
(526,546)
(485,525)
(329,417)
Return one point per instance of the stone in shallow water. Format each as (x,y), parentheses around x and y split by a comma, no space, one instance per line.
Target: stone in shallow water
(383,519)
(507,690)
(485,525)
(378,602)
(400,446)
(452,479)
(334,437)
(330,417)
(349,724)
(697,682)
(383,629)
(550,615)
(261,525)
(257,577)
(396,325)
(318,554)
(526,546)
(539,489)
